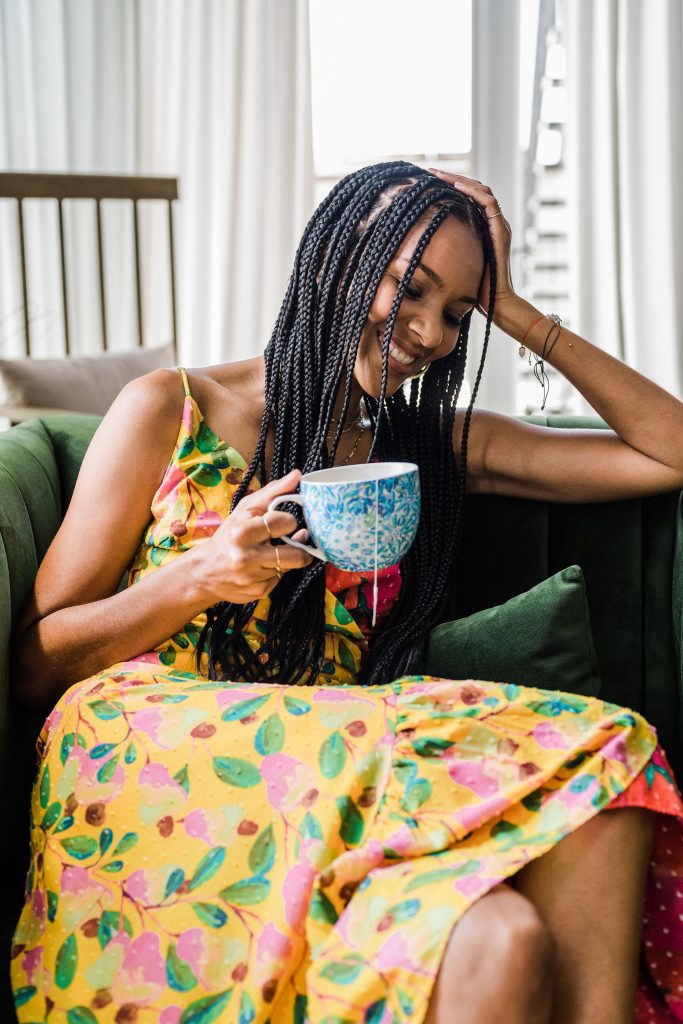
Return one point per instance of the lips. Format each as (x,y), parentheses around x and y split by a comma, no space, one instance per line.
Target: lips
(397,363)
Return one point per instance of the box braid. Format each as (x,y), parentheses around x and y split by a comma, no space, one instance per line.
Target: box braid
(342,256)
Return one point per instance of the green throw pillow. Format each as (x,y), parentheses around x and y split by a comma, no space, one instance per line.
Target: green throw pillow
(540,638)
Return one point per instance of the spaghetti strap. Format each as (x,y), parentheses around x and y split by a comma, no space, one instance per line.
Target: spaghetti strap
(186,383)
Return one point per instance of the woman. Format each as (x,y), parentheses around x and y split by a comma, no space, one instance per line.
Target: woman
(245,822)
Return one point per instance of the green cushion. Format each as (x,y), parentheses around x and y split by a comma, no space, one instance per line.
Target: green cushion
(539,638)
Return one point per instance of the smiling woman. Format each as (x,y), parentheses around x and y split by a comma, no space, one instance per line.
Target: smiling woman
(250,803)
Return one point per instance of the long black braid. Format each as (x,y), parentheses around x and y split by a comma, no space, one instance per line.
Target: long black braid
(342,256)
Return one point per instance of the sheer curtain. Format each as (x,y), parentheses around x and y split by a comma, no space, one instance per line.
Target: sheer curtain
(625,161)
(216,93)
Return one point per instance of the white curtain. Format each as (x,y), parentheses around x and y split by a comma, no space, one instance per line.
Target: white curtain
(497,160)
(216,93)
(625,163)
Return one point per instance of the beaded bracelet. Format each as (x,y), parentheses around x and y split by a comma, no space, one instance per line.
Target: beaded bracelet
(539,368)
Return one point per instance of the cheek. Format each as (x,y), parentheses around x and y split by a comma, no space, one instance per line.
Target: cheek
(381,304)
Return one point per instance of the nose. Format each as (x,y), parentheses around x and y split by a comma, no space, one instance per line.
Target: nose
(429,329)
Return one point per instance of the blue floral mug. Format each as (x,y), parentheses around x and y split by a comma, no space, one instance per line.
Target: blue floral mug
(359,517)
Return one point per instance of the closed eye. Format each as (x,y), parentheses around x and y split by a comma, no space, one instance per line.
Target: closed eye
(413,293)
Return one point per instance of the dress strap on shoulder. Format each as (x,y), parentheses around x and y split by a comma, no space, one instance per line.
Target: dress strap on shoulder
(186,383)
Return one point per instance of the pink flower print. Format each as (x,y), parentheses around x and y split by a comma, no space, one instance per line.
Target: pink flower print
(148,885)
(159,794)
(214,826)
(171,1015)
(32,964)
(296,893)
(88,789)
(472,775)
(173,478)
(80,896)
(233,695)
(548,737)
(142,975)
(397,951)
(206,523)
(478,814)
(287,780)
(471,885)
(212,955)
(337,709)
(616,749)
(53,719)
(168,726)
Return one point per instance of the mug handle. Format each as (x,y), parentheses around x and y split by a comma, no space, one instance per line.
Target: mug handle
(298,500)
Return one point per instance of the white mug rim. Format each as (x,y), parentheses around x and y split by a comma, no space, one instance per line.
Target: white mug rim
(358,474)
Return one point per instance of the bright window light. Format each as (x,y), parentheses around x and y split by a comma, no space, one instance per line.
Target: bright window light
(390,78)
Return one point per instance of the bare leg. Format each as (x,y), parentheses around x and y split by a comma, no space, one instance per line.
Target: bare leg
(497,967)
(589,889)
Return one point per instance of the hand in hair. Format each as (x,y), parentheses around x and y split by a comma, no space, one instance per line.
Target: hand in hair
(238,563)
(501,235)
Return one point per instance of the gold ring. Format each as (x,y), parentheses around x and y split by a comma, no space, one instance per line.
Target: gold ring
(495,215)
(278,570)
(265,523)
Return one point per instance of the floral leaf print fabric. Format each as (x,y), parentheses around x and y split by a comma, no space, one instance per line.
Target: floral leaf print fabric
(206,851)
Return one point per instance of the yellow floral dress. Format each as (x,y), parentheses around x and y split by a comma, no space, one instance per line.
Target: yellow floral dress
(241,852)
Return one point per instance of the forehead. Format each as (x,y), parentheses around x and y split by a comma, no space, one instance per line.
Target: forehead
(454,253)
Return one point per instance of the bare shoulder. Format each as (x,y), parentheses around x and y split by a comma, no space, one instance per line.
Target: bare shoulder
(230,397)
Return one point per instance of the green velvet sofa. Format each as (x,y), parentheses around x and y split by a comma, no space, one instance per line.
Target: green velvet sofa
(631,553)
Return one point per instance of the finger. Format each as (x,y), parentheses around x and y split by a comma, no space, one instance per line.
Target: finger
(289,558)
(277,524)
(258,501)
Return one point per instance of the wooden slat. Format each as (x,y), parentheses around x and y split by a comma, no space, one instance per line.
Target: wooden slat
(138,288)
(24,282)
(100,262)
(65,299)
(86,186)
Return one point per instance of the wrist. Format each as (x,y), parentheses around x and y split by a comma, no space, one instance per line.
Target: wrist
(515,315)
(198,578)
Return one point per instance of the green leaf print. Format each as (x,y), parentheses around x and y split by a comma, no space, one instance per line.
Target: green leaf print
(533,801)
(79,847)
(207,1009)
(67,745)
(346,657)
(332,756)
(352,825)
(106,837)
(581,783)
(243,708)
(342,614)
(506,832)
(207,867)
(186,448)
(113,865)
(65,823)
(375,1012)
(296,706)
(247,1009)
(300,1009)
(51,815)
(235,771)
(341,972)
(106,709)
(125,843)
(108,927)
(52,904)
(321,908)
(131,753)
(45,787)
(310,827)
(167,657)
(600,797)
(270,737)
(182,778)
(67,962)
(416,794)
(206,440)
(210,914)
(429,878)
(175,880)
(247,892)
(205,475)
(80,1015)
(262,853)
(404,910)
(22,995)
(405,1001)
(107,770)
(178,972)
(431,746)
(101,750)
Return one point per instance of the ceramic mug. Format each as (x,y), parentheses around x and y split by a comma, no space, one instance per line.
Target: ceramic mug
(359,517)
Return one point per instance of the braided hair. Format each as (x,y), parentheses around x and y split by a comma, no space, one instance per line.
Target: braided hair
(341,259)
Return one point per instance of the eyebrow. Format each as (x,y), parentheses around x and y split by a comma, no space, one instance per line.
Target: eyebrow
(435,277)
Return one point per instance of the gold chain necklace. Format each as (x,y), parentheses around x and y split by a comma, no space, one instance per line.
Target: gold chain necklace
(355,446)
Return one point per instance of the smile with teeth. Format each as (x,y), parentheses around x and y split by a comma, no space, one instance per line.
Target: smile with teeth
(399,355)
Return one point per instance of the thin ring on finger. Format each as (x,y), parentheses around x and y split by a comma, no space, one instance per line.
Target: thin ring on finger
(278,568)
(500,214)
(265,523)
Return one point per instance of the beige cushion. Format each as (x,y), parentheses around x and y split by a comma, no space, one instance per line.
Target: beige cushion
(78,383)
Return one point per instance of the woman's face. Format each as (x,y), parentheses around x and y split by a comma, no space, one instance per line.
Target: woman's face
(443,288)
